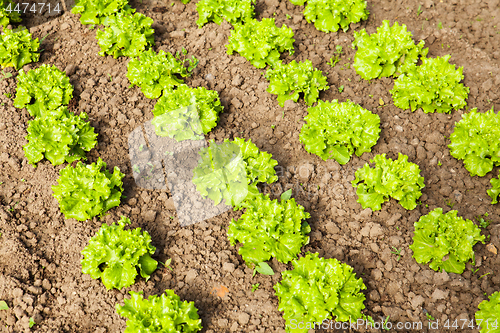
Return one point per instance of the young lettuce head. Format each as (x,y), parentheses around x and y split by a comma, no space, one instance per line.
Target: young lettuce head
(115,254)
(318,289)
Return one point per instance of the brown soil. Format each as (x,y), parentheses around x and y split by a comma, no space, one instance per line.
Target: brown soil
(40,273)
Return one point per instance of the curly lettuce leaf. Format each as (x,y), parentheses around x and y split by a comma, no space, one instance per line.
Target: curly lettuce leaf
(398,179)
(337,130)
(234,11)
(126,35)
(269,228)
(97,11)
(494,191)
(7,14)
(154,72)
(180,124)
(85,191)
(433,86)
(330,15)
(205,102)
(387,52)
(476,141)
(43,89)
(261,42)
(318,289)
(231,171)
(165,313)
(488,315)
(445,240)
(289,81)
(60,136)
(17,48)
(114,254)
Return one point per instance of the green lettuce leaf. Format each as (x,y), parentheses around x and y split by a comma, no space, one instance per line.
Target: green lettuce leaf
(318,289)
(97,11)
(488,315)
(476,141)
(433,86)
(17,48)
(269,228)
(494,191)
(165,313)
(231,171)
(154,72)
(289,81)
(398,179)
(389,51)
(234,11)
(186,113)
(330,15)
(85,191)
(115,254)
(126,35)
(337,130)
(261,42)
(43,89)
(7,14)
(445,240)
(60,136)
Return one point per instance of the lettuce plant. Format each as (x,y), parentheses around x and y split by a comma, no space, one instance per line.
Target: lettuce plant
(165,313)
(476,141)
(337,130)
(231,171)
(445,240)
(330,15)
(60,136)
(126,35)
(17,48)
(234,11)
(494,191)
(433,86)
(387,52)
(398,179)
(97,11)
(318,289)
(154,72)
(7,14)
(43,89)
(85,191)
(488,315)
(269,228)
(261,42)
(115,254)
(288,81)
(186,113)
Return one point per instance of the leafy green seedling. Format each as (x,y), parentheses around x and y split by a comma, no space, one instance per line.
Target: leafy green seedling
(255,286)
(450,203)
(288,16)
(439,163)
(396,252)
(263,268)
(341,89)
(474,271)
(429,317)
(483,223)
(419,10)
(6,75)
(385,323)
(3,305)
(32,322)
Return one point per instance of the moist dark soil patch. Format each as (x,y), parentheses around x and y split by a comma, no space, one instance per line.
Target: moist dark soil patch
(40,272)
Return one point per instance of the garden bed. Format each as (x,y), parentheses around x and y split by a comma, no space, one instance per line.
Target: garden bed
(40,251)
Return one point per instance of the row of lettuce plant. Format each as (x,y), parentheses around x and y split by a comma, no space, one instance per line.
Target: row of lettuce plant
(371,190)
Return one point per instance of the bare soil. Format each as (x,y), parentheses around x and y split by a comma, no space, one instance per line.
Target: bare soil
(40,272)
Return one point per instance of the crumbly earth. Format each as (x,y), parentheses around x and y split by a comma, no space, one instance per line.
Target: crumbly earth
(40,272)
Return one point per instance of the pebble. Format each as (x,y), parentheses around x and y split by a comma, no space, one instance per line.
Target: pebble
(491,248)
(70,69)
